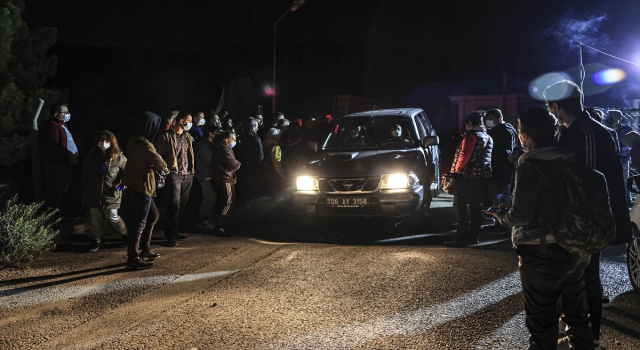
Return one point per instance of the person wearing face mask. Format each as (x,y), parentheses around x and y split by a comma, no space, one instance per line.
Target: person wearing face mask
(54,155)
(594,145)
(505,139)
(250,153)
(473,160)
(552,280)
(196,129)
(176,148)
(101,186)
(223,179)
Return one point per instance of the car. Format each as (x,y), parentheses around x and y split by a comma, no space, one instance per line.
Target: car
(381,163)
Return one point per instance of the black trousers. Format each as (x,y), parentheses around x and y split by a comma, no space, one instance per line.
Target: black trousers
(57,180)
(553,284)
(468,205)
(226,195)
(594,294)
(176,192)
(140,215)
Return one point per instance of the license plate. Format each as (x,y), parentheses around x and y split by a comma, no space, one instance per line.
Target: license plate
(342,202)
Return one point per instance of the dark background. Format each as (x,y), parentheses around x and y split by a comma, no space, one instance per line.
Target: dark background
(118,56)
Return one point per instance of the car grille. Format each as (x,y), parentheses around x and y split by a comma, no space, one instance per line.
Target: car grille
(349,185)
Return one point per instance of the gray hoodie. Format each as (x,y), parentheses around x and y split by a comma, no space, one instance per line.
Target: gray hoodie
(537,191)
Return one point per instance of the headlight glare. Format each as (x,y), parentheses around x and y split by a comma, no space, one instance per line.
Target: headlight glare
(394,181)
(307,183)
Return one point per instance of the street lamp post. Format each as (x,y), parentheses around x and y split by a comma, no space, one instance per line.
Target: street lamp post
(294,6)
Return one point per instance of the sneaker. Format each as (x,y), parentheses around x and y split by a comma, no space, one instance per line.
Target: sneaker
(456,244)
(180,236)
(171,243)
(95,246)
(138,265)
(605,301)
(221,232)
(206,225)
(596,345)
(148,254)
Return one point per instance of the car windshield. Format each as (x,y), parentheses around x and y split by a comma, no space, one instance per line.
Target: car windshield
(379,132)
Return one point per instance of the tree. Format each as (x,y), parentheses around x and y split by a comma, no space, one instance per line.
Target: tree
(24,70)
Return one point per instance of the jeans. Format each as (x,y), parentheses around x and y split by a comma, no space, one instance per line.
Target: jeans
(136,209)
(112,217)
(468,205)
(553,284)
(176,191)
(226,193)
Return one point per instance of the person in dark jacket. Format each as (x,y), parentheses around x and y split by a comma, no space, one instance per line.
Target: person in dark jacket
(552,282)
(505,139)
(250,153)
(137,199)
(274,173)
(204,171)
(621,128)
(196,129)
(473,160)
(54,155)
(101,187)
(594,145)
(224,179)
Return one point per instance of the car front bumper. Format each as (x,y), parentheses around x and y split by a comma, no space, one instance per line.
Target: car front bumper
(382,203)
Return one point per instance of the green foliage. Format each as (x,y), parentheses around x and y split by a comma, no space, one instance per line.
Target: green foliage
(24,70)
(25,232)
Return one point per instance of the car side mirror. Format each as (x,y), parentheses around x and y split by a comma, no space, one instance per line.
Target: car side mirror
(313,146)
(430,141)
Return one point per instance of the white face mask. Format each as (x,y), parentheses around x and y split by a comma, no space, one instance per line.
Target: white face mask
(66,118)
(201,122)
(233,144)
(104,145)
(188,126)
(491,124)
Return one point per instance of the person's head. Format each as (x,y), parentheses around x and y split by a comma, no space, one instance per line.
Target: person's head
(210,132)
(283,125)
(309,122)
(228,138)
(564,100)
(354,130)
(273,134)
(536,128)
(215,119)
(395,130)
(260,119)
(252,125)
(475,118)
(227,122)
(276,117)
(60,111)
(596,114)
(184,122)
(493,118)
(630,138)
(198,118)
(169,118)
(615,115)
(108,144)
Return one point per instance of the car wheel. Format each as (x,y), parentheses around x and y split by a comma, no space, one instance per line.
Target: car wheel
(633,259)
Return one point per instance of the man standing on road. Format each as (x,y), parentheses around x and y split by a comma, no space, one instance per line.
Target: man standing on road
(223,179)
(251,154)
(137,199)
(505,139)
(594,145)
(555,277)
(176,148)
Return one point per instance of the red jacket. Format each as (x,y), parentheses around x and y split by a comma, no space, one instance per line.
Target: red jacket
(53,143)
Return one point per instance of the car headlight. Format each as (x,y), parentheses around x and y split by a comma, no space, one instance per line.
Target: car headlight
(394,181)
(307,183)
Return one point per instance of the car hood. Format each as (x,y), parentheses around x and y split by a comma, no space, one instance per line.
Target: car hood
(363,163)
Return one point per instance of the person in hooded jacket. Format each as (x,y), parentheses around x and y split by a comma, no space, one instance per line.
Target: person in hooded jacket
(204,171)
(101,187)
(473,160)
(552,280)
(137,199)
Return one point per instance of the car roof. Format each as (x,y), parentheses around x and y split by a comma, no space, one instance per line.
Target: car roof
(406,112)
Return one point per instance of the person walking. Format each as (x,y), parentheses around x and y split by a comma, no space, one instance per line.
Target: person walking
(101,186)
(223,179)
(137,199)
(473,160)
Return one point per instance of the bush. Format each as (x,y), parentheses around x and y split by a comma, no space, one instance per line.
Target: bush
(25,231)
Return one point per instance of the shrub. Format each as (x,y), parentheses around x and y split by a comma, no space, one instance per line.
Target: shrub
(25,231)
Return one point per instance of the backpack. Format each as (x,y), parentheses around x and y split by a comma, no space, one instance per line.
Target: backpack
(586,225)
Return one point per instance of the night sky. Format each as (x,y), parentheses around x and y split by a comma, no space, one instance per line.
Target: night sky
(179,54)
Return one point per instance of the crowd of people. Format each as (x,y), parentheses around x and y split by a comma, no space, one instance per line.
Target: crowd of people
(171,156)
(529,165)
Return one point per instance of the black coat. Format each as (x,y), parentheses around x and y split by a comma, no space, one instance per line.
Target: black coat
(505,139)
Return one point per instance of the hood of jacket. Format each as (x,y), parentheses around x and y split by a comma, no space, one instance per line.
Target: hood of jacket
(149,125)
(547,153)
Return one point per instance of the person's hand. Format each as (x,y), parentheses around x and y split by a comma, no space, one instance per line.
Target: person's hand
(491,213)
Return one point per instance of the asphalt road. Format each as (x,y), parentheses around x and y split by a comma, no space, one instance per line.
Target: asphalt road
(278,284)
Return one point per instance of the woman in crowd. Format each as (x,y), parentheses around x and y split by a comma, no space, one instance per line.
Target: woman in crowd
(101,188)
(273,173)
(473,160)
